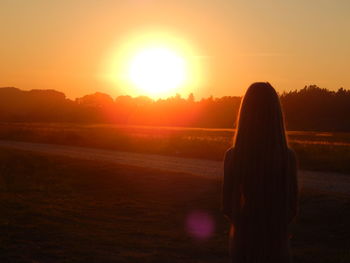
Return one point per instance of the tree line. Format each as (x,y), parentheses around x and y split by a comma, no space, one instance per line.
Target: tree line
(310,108)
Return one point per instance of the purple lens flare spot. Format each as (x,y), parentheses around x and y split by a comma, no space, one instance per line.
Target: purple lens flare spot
(200,225)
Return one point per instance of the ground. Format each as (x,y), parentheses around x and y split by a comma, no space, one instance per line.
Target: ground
(59,209)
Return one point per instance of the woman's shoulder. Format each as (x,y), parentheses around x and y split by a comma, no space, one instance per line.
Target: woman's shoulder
(291,154)
(292,158)
(229,154)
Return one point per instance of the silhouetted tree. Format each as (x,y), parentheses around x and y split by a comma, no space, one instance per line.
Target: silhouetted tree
(311,108)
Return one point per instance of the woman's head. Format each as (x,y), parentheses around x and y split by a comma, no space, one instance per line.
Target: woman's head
(260,121)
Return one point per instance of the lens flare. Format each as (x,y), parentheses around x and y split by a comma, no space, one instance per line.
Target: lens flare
(200,225)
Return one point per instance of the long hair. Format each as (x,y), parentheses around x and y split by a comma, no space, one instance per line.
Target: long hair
(260,165)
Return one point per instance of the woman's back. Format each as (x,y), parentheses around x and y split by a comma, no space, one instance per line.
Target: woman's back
(260,185)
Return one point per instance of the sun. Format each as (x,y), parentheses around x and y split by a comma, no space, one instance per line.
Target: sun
(157,70)
(156,64)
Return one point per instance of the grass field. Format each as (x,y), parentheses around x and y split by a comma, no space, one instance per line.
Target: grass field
(57,209)
(322,151)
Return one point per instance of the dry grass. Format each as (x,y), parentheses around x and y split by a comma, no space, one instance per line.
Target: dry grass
(57,209)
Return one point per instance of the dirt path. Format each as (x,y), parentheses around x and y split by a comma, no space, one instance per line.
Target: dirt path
(329,182)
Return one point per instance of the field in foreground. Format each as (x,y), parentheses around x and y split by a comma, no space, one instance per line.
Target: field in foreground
(319,151)
(57,209)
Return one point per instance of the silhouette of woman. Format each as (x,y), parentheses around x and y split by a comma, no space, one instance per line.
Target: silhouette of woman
(260,187)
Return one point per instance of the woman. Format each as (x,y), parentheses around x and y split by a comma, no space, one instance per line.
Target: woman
(260,181)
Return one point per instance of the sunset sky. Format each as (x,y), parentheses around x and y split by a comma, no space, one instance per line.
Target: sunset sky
(80,46)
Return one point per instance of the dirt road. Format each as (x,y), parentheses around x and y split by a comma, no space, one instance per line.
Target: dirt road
(329,182)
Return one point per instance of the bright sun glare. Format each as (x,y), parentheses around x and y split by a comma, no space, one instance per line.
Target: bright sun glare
(155,64)
(157,70)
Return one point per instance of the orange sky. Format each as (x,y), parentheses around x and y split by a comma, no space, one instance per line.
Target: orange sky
(64,45)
